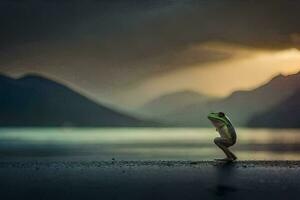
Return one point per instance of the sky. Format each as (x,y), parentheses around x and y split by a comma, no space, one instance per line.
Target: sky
(125,52)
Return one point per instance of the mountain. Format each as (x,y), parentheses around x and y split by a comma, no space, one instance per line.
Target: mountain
(284,115)
(240,105)
(37,101)
(171,102)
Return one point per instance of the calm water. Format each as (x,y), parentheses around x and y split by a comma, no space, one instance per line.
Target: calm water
(144,144)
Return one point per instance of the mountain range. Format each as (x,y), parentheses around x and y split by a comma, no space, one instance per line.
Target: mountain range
(284,115)
(34,100)
(171,102)
(37,101)
(241,106)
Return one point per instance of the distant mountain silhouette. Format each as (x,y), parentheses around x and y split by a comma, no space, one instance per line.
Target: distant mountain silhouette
(171,102)
(37,101)
(240,105)
(284,115)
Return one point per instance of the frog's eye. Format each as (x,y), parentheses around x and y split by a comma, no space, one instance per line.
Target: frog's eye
(221,114)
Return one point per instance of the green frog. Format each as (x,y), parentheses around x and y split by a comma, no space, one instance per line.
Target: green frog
(227,132)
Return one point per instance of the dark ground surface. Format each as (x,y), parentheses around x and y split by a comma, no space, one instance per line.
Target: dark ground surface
(150,180)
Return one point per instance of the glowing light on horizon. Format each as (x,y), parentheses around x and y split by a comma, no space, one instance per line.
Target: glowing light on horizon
(247,68)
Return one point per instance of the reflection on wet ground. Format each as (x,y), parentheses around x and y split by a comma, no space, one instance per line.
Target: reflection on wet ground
(149,180)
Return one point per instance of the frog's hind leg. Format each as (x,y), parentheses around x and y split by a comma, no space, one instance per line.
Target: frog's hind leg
(224,144)
(233,156)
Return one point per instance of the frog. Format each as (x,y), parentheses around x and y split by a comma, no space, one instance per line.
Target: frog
(227,132)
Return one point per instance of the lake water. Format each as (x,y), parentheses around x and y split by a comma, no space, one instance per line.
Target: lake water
(143,144)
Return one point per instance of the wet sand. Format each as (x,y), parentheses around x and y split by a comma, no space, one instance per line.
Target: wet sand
(150,180)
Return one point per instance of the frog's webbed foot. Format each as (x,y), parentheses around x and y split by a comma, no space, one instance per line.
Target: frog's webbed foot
(223,159)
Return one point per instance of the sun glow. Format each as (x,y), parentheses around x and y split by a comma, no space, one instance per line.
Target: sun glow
(246,68)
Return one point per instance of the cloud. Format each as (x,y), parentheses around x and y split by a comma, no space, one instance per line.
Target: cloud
(245,69)
(101,46)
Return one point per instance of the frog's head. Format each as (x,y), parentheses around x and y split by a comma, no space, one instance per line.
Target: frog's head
(218,119)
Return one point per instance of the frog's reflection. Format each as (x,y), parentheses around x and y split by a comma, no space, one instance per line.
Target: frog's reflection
(225,187)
